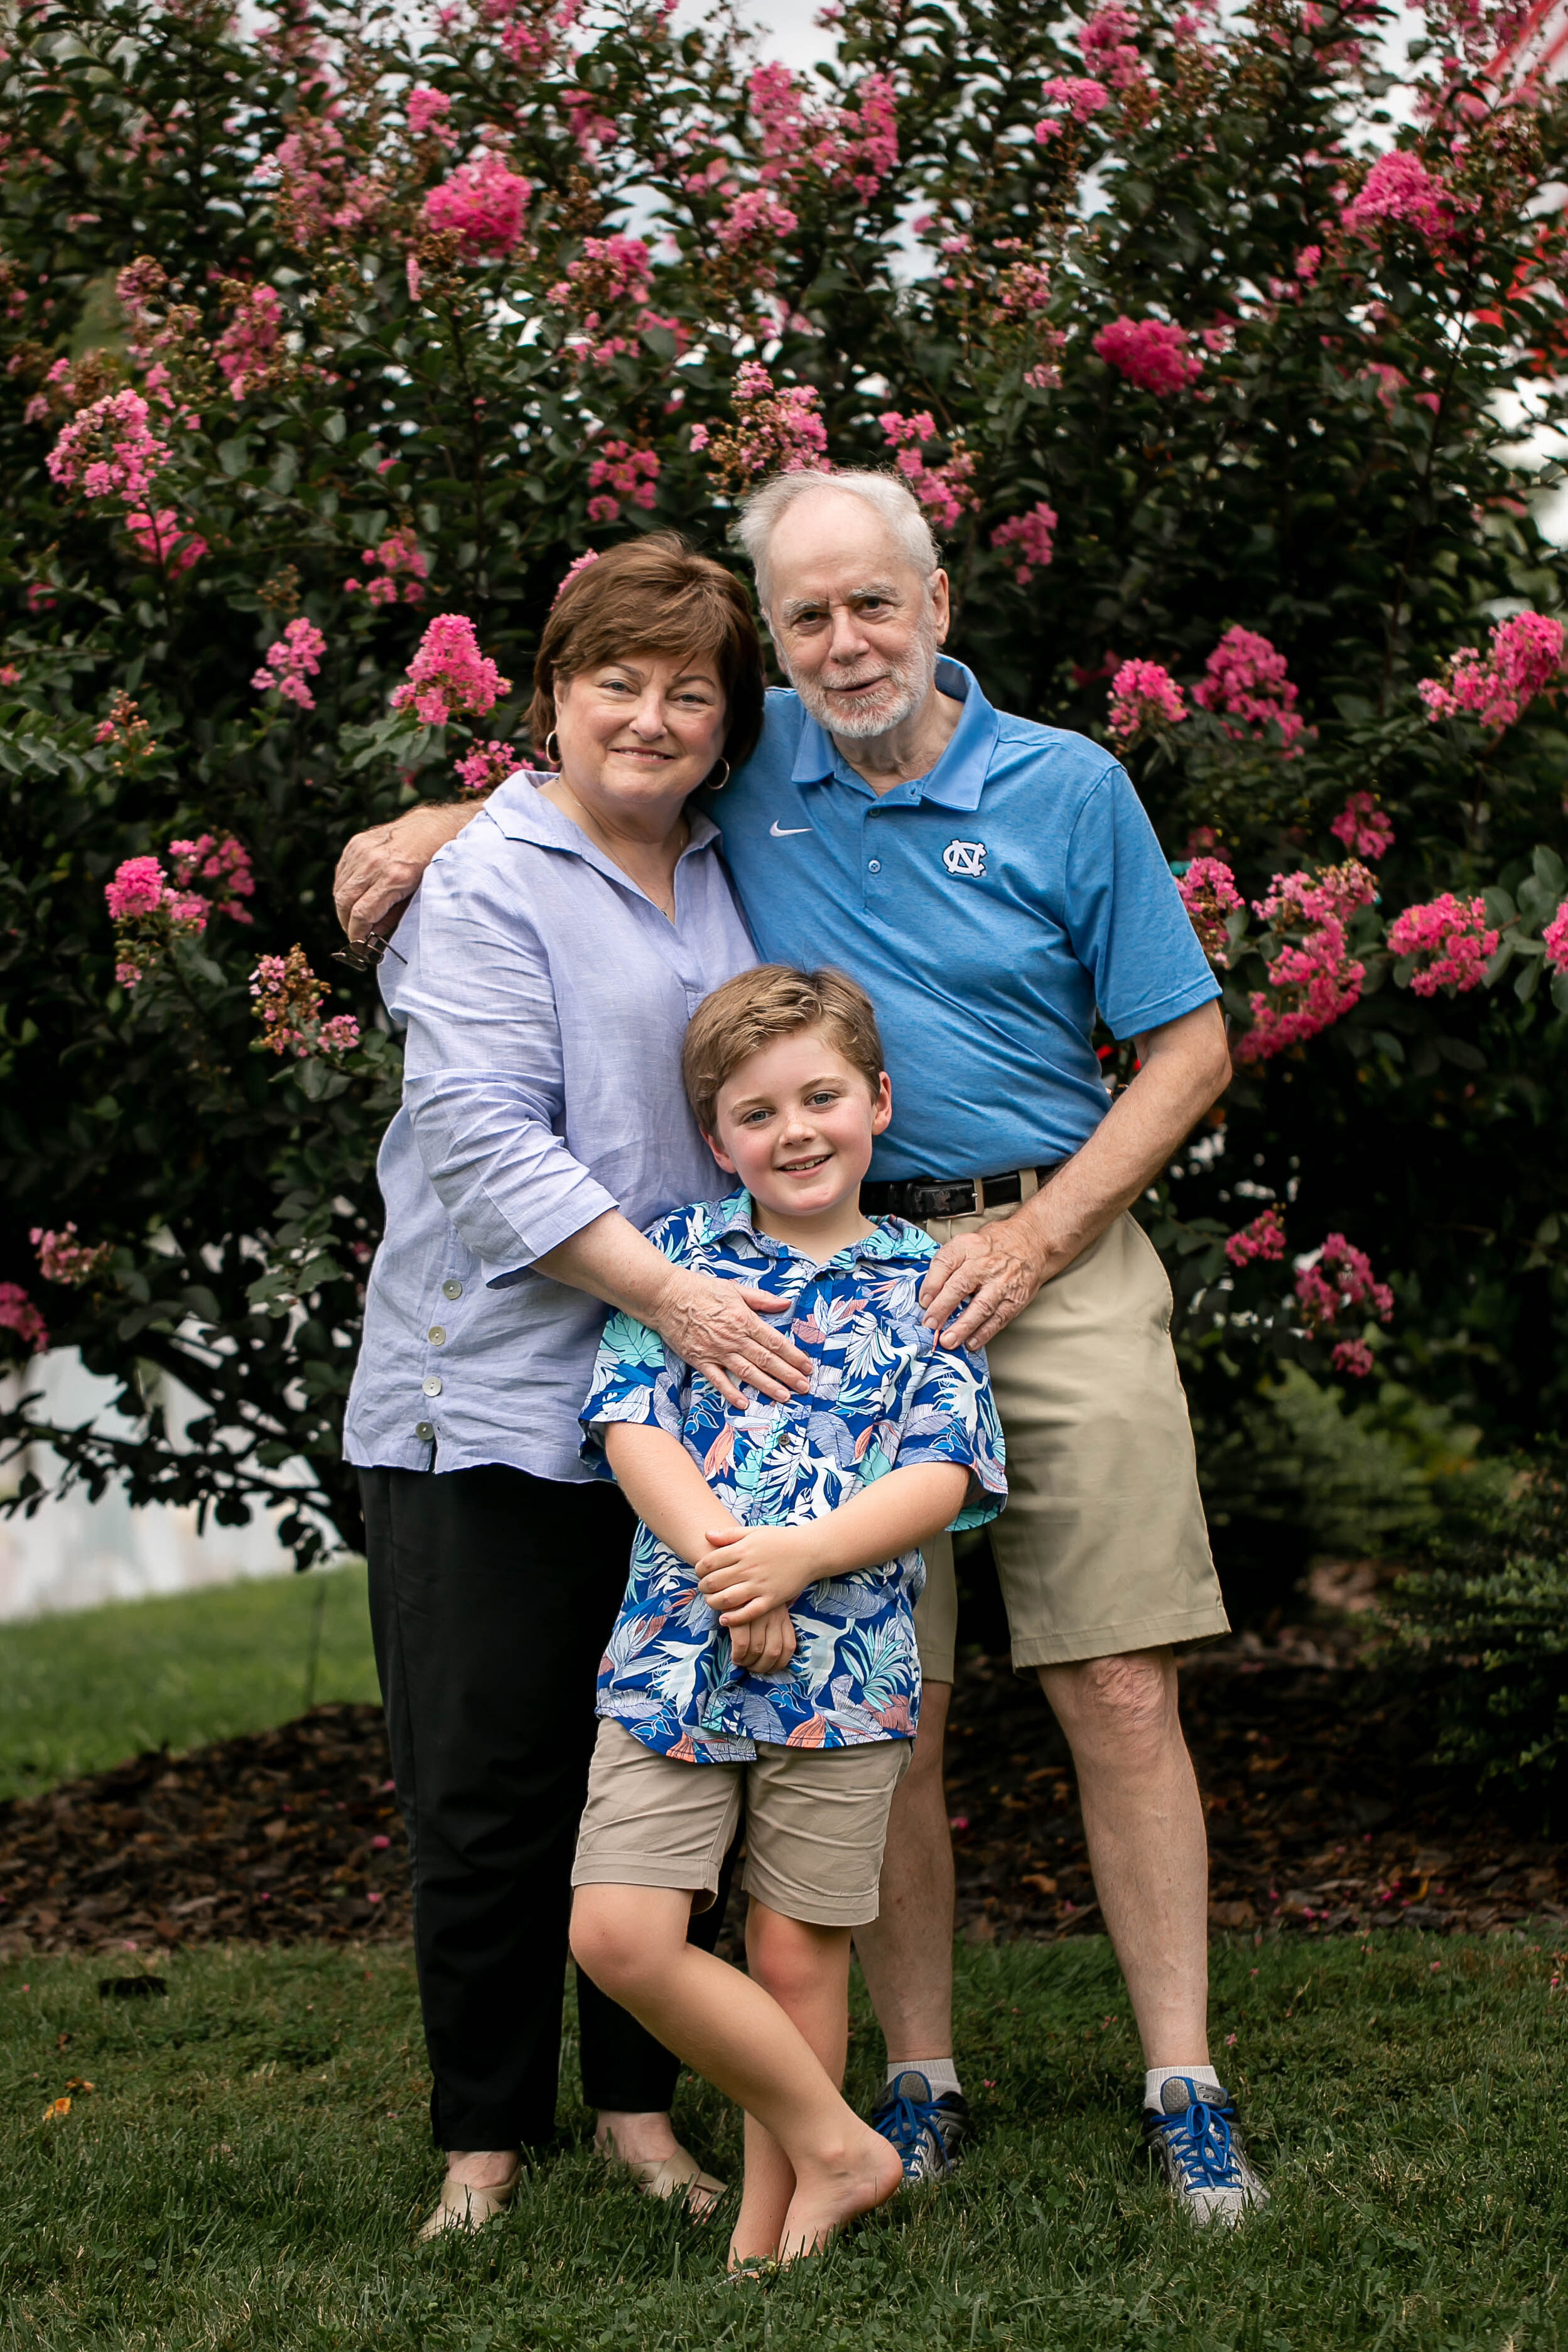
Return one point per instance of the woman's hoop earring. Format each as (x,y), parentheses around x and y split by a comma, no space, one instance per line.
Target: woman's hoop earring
(708,784)
(553,757)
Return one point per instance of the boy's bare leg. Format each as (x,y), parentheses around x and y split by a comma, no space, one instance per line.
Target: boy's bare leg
(806,1968)
(632,1942)
(908,1951)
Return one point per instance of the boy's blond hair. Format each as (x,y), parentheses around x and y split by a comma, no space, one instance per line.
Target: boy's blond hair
(755,1008)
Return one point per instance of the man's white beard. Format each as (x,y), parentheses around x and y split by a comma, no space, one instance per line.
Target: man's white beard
(903,688)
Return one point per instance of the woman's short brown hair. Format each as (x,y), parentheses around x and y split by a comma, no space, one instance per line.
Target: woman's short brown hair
(654,595)
(774,1000)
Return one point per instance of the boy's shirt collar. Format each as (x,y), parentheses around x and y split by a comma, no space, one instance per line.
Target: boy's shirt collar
(891,1239)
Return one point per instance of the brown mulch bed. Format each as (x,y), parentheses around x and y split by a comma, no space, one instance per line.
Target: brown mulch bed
(1323,1817)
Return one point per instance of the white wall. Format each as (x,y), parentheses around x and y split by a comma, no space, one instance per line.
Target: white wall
(73,1554)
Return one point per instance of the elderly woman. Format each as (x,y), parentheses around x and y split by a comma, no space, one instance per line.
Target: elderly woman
(544,976)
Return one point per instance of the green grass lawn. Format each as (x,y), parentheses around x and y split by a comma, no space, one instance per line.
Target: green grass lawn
(84,1691)
(249,2168)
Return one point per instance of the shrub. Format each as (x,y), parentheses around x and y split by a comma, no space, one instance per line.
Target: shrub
(1488,1610)
(332,336)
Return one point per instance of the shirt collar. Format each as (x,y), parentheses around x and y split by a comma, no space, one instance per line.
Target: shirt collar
(890,1237)
(523,814)
(957,778)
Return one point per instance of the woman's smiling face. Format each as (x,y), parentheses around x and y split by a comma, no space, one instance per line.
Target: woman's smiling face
(638,734)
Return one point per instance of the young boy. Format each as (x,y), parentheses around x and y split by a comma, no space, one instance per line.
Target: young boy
(765,1653)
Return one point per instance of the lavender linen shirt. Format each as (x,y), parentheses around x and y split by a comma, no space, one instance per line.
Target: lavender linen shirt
(545,998)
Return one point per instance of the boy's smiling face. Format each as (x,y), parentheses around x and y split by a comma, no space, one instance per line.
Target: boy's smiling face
(796,1124)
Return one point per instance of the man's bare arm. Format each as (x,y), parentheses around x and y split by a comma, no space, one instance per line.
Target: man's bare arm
(998,1271)
(380,869)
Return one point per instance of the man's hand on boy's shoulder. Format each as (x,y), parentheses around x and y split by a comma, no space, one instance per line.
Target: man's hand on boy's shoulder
(751,1572)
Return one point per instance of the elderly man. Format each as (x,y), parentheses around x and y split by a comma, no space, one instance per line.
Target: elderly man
(992,883)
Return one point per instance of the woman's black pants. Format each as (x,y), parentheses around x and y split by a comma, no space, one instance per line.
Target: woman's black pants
(492,1595)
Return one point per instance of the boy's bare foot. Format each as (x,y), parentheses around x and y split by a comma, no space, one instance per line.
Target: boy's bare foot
(827,2196)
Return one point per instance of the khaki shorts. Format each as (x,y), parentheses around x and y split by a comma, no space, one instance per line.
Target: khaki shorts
(816,1823)
(1103,1547)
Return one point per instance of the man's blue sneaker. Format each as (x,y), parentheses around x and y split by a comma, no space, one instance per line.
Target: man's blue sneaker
(928,2133)
(1197,2146)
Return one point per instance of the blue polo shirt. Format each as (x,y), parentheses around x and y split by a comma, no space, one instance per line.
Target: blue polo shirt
(986,910)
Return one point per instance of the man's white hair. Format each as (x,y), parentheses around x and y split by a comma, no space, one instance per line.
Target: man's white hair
(889,494)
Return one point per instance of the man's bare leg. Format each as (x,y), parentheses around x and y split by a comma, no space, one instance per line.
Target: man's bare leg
(906,1953)
(1147,1844)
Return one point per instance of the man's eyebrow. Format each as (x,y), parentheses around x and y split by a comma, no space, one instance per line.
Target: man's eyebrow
(794,606)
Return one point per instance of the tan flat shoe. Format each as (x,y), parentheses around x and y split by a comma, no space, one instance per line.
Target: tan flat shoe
(463,2208)
(669,2176)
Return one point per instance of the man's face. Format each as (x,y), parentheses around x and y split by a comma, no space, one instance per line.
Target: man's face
(856,624)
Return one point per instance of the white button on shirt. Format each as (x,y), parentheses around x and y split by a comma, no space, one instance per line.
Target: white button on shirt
(545,998)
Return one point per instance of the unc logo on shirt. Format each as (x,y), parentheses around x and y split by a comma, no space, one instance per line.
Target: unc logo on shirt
(965,857)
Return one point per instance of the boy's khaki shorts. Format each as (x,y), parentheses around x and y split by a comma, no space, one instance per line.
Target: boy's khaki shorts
(816,1823)
(1102,1546)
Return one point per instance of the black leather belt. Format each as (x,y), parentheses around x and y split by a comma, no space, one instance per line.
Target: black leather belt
(921,1198)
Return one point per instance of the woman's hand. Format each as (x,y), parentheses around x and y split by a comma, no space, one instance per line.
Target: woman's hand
(380,871)
(715,1327)
(765,1646)
(752,1572)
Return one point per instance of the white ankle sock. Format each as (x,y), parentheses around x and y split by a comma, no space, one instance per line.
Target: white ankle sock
(940,2072)
(1156,2077)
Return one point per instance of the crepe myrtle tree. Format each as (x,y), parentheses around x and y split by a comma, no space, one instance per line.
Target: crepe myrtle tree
(331,338)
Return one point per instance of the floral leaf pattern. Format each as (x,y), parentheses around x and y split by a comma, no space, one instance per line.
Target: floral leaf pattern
(882,1394)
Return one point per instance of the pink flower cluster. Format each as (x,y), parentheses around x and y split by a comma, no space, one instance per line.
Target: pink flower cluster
(1523,659)
(776,430)
(1107,45)
(1312,979)
(217,866)
(106,451)
(1208,892)
(251,345)
(285,665)
(608,269)
(317,191)
(755,218)
(1151,353)
(127,732)
(139,888)
(488,765)
(944,489)
(65,1259)
(425,111)
(1554,938)
(1400,188)
(1263,1238)
(1145,698)
(630,474)
(1028,540)
(149,907)
(448,675)
(1246,680)
(1341,1281)
(579,564)
(1083,99)
(483,204)
(853,146)
(289,997)
(398,559)
(19,1314)
(1453,933)
(1363,827)
(163,538)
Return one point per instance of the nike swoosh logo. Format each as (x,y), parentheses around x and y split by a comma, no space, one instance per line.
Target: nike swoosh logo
(782,832)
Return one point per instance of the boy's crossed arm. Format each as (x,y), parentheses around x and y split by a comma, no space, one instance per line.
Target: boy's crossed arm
(670,1494)
(751,1575)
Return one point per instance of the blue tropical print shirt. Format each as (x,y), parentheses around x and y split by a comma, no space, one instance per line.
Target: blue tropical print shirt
(882,1394)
